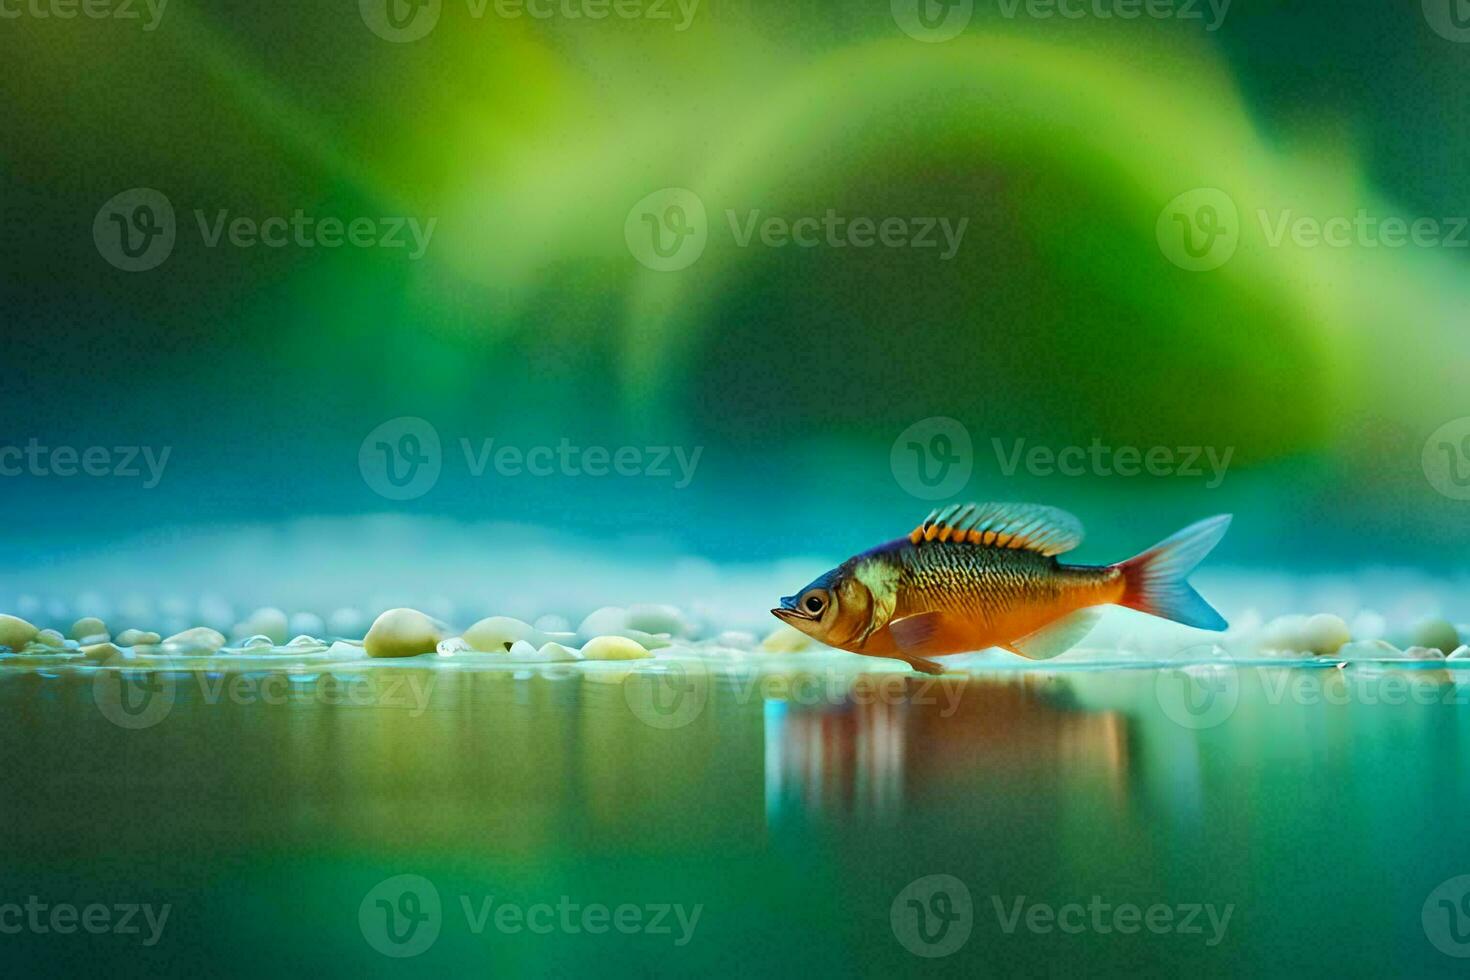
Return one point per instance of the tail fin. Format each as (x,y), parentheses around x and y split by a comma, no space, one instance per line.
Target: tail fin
(1154,582)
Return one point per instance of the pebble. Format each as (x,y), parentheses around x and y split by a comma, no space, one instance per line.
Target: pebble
(306,624)
(602,622)
(89,629)
(306,640)
(402,633)
(657,619)
(200,639)
(52,639)
(257,642)
(1370,650)
(16,632)
(498,634)
(785,639)
(557,653)
(265,621)
(132,638)
(103,651)
(1424,653)
(739,639)
(1435,634)
(1463,653)
(614,648)
(1325,634)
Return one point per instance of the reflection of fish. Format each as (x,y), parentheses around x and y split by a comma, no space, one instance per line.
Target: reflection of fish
(981,575)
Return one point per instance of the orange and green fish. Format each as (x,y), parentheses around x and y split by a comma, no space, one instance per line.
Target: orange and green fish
(974,576)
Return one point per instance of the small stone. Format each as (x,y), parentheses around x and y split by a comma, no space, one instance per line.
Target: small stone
(266,621)
(498,634)
(784,639)
(257,642)
(1435,634)
(200,639)
(305,640)
(1324,634)
(738,639)
(52,639)
(103,651)
(1424,653)
(305,624)
(402,633)
(614,648)
(16,632)
(657,619)
(132,638)
(1462,653)
(89,629)
(602,622)
(521,650)
(556,653)
(1370,650)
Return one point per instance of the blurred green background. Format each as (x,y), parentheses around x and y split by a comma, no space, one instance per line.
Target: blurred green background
(1062,317)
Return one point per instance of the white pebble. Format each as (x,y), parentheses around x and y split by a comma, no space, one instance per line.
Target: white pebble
(402,633)
(557,653)
(16,632)
(498,634)
(1463,653)
(1370,650)
(1424,653)
(132,638)
(657,619)
(200,639)
(89,629)
(305,624)
(613,648)
(601,622)
(103,652)
(738,639)
(266,621)
(1324,634)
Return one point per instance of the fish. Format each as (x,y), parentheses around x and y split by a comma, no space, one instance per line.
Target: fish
(982,575)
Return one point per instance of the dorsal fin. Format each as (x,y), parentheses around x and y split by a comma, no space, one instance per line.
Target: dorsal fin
(1033,527)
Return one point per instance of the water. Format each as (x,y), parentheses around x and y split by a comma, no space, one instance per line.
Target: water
(793,812)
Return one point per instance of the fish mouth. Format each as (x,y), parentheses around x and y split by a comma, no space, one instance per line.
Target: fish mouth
(787,615)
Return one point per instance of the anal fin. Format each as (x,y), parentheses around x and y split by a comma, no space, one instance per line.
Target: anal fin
(1058,636)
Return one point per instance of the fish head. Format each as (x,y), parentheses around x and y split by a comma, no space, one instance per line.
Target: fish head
(834,608)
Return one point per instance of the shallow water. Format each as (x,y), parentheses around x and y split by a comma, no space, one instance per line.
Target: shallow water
(1105,820)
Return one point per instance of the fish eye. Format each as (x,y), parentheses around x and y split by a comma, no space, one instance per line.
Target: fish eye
(814,603)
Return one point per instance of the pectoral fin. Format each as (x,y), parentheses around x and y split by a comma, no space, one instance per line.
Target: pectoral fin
(1058,636)
(919,636)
